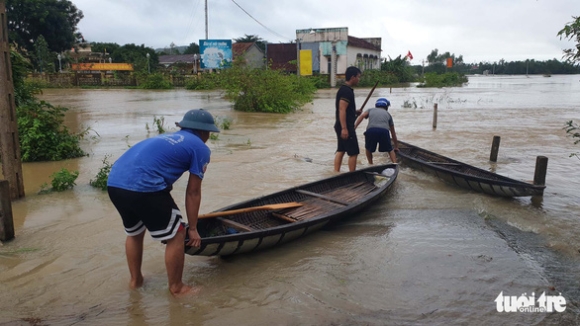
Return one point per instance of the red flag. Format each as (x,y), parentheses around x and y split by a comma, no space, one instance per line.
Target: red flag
(409,55)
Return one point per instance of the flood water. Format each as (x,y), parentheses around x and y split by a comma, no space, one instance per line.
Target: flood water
(428,253)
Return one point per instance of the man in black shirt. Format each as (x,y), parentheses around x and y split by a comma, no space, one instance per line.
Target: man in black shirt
(346,114)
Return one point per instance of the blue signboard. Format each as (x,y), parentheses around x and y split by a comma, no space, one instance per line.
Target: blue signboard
(215,54)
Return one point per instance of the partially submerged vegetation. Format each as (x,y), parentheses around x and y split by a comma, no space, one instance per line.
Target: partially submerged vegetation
(42,135)
(100,180)
(61,180)
(266,90)
(571,31)
(573,130)
(258,90)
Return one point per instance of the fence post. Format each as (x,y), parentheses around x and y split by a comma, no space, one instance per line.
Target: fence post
(435,116)
(6,219)
(494,148)
(541,169)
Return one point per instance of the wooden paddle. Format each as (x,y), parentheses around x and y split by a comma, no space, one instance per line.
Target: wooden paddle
(368,96)
(251,209)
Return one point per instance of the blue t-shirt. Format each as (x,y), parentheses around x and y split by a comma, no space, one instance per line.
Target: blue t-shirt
(156,163)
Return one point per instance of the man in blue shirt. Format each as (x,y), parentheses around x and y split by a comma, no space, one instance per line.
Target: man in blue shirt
(139,186)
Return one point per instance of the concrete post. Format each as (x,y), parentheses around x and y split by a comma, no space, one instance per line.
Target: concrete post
(6,219)
(9,142)
(333,66)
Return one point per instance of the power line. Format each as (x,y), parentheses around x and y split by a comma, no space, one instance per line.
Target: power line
(191,26)
(271,31)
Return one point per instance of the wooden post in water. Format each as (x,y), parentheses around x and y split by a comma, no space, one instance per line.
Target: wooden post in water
(494,148)
(6,220)
(435,116)
(541,169)
(9,143)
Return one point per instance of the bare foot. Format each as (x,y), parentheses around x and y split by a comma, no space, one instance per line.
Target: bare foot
(185,291)
(136,283)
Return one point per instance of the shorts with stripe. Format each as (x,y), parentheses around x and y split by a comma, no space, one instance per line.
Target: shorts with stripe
(350,145)
(154,211)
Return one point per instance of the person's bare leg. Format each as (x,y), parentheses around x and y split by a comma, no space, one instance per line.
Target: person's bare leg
(134,252)
(338,161)
(174,261)
(393,156)
(352,163)
(369,156)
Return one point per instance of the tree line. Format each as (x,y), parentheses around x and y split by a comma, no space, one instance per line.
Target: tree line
(437,62)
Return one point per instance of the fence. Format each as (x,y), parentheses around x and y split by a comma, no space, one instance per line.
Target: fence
(84,79)
(101,79)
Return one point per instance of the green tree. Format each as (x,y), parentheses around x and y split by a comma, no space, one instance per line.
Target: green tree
(42,134)
(55,20)
(399,67)
(23,92)
(104,47)
(192,48)
(42,55)
(130,53)
(571,31)
(265,90)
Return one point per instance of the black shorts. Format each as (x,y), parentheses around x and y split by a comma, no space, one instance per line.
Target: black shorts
(379,136)
(350,145)
(155,211)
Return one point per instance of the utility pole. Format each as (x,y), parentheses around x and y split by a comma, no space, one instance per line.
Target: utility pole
(206,19)
(9,143)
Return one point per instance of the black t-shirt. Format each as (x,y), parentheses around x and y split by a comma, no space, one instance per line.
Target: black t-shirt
(346,93)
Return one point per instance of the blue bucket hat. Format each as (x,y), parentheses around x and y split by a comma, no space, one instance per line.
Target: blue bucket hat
(198,119)
(382,103)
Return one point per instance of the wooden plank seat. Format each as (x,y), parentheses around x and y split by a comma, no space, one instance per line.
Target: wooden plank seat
(320,202)
(321,196)
(235,225)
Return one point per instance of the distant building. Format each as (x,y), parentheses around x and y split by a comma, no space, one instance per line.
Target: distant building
(252,54)
(172,59)
(280,56)
(182,63)
(82,52)
(366,53)
(324,44)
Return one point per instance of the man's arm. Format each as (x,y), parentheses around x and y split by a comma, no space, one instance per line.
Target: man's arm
(360,118)
(192,204)
(394,138)
(342,106)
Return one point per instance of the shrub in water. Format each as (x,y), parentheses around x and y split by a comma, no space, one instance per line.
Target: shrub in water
(102,176)
(42,134)
(63,179)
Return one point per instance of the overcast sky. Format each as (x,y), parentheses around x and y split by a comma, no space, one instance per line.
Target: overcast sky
(480,30)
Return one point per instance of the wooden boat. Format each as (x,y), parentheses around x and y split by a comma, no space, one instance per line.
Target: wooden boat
(464,175)
(321,202)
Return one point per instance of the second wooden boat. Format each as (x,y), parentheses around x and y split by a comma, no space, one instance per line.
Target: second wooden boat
(465,175)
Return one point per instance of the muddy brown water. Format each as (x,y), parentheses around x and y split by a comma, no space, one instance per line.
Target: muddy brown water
(428,253)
